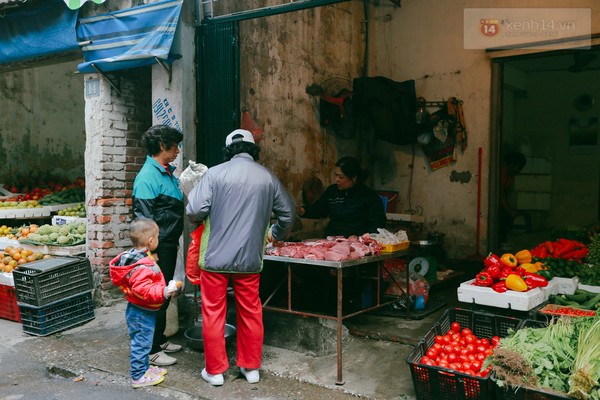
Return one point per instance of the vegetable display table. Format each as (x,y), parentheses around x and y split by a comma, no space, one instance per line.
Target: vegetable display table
(373,263)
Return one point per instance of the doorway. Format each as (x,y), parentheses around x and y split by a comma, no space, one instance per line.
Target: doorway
(550,115)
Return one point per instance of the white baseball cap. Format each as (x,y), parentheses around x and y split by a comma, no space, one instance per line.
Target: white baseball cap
(239,135)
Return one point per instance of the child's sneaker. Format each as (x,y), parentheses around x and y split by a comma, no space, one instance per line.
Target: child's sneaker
(157,370)
(148,379)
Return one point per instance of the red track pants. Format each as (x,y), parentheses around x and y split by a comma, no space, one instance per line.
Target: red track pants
(250,331)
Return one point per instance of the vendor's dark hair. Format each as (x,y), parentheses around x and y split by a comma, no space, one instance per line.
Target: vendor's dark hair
(241,147)
(350,166)
(160,134)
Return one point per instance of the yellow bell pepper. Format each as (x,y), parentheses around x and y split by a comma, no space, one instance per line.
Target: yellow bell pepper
(523,256)
(529,267)
(516,283)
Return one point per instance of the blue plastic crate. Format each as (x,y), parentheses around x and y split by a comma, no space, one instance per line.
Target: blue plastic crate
(57,316)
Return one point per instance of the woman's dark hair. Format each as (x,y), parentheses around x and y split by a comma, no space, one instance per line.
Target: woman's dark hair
(160,134)
(241,147)
(350,166)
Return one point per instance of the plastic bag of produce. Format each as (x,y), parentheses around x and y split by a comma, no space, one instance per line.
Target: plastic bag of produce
(191,176)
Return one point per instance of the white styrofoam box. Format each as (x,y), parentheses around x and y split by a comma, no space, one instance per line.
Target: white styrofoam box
(21,213)
(589,288)
(6,279)
(63,220)
(533,183)
(76,250)
(486,296)
(558,285)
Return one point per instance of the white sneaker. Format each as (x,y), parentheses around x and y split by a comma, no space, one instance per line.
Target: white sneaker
(161,359)
(252,375)
(215,380)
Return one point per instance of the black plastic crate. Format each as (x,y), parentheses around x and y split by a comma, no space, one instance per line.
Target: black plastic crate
(45,281)
(436,383)
(510,393)
(57,316)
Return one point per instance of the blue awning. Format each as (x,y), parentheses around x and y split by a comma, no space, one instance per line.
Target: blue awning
(129,38)
(39,30)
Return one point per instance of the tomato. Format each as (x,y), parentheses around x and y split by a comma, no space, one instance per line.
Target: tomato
(495,341)
(480,357)
(443,364)
(469,372)
(463,358)
(481,349)
(456,337)
(431,363)
(476,366)
(489,352)
(431,353)
(424,360)
(470,339)
(471,348)
(439,339)
(447,338)
(484,342)
(448,349)
(466,332)
(452,358)
(455,327)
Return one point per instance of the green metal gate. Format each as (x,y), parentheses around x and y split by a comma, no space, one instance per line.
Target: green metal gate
(218,88)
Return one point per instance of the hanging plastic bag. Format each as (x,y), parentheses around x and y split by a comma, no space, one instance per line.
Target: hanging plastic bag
(192,266)
(191,176)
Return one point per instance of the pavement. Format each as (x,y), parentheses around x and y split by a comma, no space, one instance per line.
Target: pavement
(374,364)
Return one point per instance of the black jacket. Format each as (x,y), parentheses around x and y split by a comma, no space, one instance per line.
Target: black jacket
(354,211)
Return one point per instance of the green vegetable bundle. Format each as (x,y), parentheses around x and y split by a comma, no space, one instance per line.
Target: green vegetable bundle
(545,357)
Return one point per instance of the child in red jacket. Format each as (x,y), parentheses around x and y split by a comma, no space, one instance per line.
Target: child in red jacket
(140,279)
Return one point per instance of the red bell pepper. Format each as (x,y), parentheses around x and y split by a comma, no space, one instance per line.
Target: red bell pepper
(499,286)
(492,259)
(562,247)
(506,272)
(484,279)
(534,280)
(519,271)
(494,271)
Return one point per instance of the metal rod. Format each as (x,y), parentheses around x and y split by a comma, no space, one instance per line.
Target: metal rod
(340,317)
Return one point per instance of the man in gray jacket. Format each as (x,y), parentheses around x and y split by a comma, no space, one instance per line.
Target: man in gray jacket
(236,200)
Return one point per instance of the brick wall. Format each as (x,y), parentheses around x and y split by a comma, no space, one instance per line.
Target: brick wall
(115,121)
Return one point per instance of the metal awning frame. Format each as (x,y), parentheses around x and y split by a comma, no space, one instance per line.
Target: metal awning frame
(263,12)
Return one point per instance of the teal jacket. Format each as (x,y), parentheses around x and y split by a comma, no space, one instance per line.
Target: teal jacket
(156,195)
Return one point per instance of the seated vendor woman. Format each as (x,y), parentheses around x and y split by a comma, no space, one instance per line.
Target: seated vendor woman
(352,207)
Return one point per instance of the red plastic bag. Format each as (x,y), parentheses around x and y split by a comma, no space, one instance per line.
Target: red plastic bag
(192,268)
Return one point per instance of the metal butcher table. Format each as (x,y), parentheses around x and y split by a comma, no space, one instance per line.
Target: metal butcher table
(339,267)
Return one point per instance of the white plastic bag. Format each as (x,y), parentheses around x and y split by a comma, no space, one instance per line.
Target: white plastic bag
(191,176)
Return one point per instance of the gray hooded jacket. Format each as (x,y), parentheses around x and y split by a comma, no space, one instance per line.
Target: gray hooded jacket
(235,200)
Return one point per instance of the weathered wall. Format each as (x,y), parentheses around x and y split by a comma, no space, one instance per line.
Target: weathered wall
(423,40)
(283,55)
(42,131)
